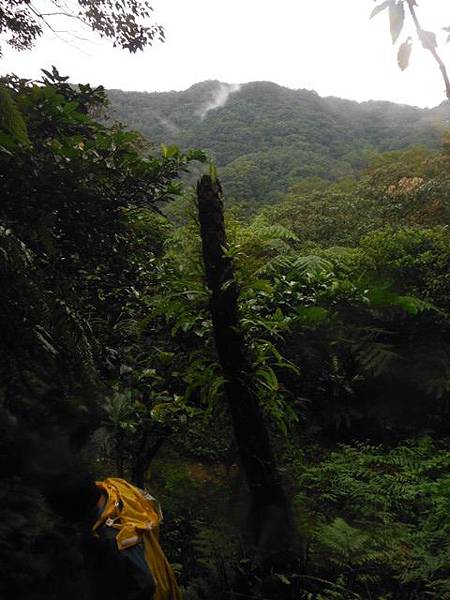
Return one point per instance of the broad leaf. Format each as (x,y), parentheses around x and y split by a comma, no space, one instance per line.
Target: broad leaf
(169,151)
(404,53)
(381,7)
(396,19)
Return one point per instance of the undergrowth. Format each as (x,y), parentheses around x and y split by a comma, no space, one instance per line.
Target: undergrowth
(375,525)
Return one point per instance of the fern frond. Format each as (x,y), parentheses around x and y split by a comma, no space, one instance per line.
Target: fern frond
(298,266)
(312,264)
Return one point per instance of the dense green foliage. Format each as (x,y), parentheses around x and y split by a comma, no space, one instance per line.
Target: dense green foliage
(266,137)
(346,315)
(401,188)
(74,261)
(107,345)
(377,520)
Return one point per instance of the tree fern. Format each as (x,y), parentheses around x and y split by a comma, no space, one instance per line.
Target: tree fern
(347,544)
(298,266)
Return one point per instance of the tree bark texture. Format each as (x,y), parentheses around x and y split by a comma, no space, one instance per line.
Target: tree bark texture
(252,438)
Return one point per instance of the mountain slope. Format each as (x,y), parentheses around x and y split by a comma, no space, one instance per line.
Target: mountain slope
(265,137)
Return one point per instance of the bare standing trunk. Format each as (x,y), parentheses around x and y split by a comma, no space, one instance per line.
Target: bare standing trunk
(119,452)
(272,520)
(144,457)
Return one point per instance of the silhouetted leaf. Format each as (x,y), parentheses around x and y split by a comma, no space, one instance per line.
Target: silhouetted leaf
(404,52)
(396,19)
(428,39)
(381,7)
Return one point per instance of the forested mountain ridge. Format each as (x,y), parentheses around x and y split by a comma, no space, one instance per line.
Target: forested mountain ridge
(265,137)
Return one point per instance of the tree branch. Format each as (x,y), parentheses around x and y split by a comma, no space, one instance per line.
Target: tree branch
(428,46)
(54,31)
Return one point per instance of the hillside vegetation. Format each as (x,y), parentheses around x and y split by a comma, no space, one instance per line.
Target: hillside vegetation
(266,137)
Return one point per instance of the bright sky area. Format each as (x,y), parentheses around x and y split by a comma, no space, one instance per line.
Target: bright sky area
(329,46)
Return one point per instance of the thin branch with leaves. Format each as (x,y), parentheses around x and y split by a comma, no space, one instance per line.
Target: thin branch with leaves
(428,39)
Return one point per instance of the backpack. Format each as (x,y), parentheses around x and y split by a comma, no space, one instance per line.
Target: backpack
(136,516)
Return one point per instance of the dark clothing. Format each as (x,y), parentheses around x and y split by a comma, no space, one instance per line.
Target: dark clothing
(115,574)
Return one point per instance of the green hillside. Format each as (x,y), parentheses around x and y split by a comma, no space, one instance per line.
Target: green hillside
(267,137)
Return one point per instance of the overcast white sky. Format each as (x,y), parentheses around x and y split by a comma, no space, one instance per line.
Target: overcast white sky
(326,45)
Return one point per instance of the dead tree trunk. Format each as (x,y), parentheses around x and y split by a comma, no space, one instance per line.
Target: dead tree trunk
(144,457)
(271,513)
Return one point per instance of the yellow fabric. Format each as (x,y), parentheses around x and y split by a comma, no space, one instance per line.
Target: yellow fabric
(137,520)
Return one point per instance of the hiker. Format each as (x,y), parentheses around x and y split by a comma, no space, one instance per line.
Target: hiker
(119,522)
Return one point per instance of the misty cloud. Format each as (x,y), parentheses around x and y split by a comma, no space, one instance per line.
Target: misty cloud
(219,98)
(169,125)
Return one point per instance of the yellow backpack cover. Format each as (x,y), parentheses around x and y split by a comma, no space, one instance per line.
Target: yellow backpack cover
(136,516)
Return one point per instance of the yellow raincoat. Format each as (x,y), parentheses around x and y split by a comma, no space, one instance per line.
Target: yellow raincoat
(136,517)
